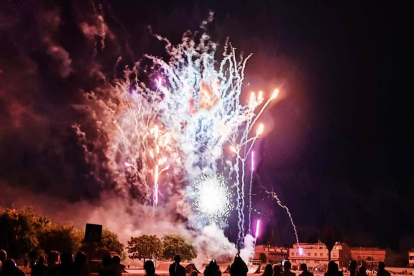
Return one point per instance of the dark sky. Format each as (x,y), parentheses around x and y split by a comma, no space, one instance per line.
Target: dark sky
(340,150)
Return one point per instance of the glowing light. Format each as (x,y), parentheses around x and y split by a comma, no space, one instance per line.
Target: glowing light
(275,93)
(127,164)
(300,251)
(260,129)
(252,161)
(212,197)
(233,149)
(260,97)
(252,101)
(257,228)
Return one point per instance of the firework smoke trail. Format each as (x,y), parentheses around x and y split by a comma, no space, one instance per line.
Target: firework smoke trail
(274,195)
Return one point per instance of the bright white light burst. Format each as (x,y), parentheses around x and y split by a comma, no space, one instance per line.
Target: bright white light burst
(212,197)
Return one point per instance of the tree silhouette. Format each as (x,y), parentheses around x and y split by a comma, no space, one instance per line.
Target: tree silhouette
(145,247)
(176,244)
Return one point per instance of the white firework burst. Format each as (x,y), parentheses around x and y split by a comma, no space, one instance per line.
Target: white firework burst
(212,198)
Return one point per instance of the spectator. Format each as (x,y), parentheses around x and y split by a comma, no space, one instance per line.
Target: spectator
(362,271)
(116,265)
(268,270)
(287,266)
(66,267)
(52,264)
(175,268)
(3,257)
(149,268)
(238,267)
(381,270)
(305,271)
(106,267)
(9,268)
(39,268)
(80,266)
(277,270)
(352,268)
(213,269)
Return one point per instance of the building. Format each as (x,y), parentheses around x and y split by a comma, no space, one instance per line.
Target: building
(273,254)
(316,255)
(369,256)
(411,258)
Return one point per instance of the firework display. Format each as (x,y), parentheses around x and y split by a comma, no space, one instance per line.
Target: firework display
(187,123)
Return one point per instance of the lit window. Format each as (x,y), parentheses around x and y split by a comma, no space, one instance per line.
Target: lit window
(335,255)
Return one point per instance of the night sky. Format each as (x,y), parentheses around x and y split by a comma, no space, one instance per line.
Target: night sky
(340,151)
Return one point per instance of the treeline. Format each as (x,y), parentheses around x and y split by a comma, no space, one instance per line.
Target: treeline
(23,233)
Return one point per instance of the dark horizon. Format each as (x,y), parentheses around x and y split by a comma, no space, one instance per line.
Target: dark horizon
(340,149)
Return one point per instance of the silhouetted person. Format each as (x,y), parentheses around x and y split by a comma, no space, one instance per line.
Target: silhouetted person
(149,268)
(66,267)
(213,269)
(287,266)
(268,271)
(381,270)
(3,257)
(175,268)
(52,264)
(116,265)
(9,268)
(352,268)
(305,271)
(106,270)
(333,269)
(238,267)
(80,266)
(362,271)
(39,268)
(194,273)
(277,270)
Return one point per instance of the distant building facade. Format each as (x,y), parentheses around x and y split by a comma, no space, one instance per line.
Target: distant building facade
(411,258)
(370,256)
(316,255)
(273,254)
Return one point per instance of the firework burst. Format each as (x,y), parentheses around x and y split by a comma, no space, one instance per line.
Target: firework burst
(212,198)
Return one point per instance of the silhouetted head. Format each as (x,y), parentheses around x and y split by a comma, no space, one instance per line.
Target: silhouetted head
(381,266)
(80,258)
(3,255)
(106,260)
(177,259)
(303,267)
(287,265)
(8,266)
(352,264)
(268,270)
(41,260)
(194,273)
(332,267)
(52,258)
(362,270)
(116,259)
(149,268)
(276,269)
(66,258)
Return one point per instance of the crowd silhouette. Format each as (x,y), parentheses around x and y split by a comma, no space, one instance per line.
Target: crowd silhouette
(65,264)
